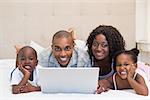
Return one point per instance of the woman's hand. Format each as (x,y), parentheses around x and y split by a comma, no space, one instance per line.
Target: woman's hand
(101,89)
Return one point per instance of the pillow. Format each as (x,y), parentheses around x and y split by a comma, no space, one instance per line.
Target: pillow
(37,47)
(80,44)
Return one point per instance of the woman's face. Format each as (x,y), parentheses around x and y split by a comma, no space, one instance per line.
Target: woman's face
(100,48)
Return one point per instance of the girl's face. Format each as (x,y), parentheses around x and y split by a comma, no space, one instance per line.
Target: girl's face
(27,58)
(124,63)
(100,48)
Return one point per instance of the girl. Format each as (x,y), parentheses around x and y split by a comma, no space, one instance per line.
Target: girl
(24,77)
(127,74)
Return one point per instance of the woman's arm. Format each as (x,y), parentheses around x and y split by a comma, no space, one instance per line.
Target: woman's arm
(104,85)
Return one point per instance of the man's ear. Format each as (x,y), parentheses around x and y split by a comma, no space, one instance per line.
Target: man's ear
(37,62)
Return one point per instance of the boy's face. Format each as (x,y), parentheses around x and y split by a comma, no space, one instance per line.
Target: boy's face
(27,58)
(62,49)
(124,64)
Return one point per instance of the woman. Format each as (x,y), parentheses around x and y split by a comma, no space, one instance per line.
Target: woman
(103,42)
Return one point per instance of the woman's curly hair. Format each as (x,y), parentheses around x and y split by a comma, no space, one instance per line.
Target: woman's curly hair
(113,37)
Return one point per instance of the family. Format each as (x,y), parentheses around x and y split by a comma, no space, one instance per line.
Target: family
(119,68)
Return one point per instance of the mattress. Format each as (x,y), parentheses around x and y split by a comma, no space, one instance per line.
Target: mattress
(7,65)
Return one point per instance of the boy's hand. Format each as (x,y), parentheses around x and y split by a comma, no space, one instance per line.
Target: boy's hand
(23,70)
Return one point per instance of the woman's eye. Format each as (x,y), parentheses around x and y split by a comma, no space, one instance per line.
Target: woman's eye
(104,45)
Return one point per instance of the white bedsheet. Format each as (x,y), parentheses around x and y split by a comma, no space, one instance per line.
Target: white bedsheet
(6,65)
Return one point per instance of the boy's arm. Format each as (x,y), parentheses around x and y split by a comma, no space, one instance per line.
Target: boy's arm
(31,88)
(18,88)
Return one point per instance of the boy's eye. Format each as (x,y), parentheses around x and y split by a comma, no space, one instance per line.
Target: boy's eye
(31,58)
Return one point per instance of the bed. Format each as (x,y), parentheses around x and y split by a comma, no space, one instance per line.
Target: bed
(7,65)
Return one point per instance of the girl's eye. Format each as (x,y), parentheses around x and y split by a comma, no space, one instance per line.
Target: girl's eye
(126,64)
(120,65)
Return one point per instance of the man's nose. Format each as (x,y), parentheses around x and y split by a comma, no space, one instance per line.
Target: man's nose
(63,53)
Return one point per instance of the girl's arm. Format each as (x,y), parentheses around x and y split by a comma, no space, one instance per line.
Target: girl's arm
(138,85)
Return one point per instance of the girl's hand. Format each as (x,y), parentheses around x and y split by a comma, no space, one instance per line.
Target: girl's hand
(131,70)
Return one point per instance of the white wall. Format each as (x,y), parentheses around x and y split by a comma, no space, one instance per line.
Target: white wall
(25,20)
(143,29)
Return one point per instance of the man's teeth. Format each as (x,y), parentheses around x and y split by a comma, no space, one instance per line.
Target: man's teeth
(63,59)
(124,73)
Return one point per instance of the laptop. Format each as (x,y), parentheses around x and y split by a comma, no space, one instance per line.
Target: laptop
(68,80)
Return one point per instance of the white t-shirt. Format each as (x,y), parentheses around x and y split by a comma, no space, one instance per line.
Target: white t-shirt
(17,76)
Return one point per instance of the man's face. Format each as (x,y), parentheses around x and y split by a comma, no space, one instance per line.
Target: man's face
(62,49)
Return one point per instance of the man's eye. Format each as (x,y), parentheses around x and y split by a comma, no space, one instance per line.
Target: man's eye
(67,48)
(57,49)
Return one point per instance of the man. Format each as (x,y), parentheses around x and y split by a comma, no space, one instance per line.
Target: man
(63,53)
